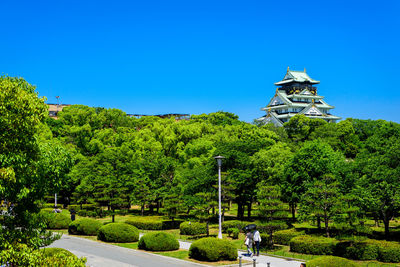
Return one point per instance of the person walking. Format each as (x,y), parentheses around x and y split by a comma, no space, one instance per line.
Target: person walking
(257,241)
(249,243)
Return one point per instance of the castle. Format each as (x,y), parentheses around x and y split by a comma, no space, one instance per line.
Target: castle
(296,94)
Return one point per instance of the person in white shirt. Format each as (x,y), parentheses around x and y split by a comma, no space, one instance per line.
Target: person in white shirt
(257,240)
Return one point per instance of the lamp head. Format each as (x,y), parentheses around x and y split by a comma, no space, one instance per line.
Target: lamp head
(219,160)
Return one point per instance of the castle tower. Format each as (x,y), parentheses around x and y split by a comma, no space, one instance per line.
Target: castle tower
(296,94)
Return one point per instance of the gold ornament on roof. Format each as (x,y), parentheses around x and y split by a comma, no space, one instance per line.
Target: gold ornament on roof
(304,69)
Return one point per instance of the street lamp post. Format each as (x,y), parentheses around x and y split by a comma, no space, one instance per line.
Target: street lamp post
(219,161)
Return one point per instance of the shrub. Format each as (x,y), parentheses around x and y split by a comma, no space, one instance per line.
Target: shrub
(388,251)
(193,228)
(146,223)
(55,220)
(365,250)
(265,240)
(212,249)
(283,237)
(74,207)
(118,232)
(233,224)
(166,225)
(330,261)
(49,252)
(84,226)
(313,245)
(158,241)
(82,213)
(234,232)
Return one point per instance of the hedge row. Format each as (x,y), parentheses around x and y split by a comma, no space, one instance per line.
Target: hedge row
(283,237)
(153,223)
(384,251)
(233,224)
(84,226)
(307,244)
(330,261)
(159,241)
(193,228)
(212,249)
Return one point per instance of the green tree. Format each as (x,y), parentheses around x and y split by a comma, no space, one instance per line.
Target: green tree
(271,210)
(378,167)
(311,162)
(21,111)
(322,199)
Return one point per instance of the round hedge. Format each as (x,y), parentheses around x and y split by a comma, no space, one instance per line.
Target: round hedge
(158,241)
(313,245)
(283,237)
(212,249)
(84,226)
(330,261)
(118,233)
(193,228)
(56,220)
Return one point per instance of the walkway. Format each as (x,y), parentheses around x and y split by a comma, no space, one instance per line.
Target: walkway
(101,255)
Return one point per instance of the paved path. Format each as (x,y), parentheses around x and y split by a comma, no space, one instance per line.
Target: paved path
(104,255)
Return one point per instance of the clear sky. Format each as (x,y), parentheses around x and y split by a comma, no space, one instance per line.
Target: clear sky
(153,57)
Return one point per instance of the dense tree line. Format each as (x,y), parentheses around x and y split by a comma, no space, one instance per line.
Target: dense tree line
(342,172)
(311,169)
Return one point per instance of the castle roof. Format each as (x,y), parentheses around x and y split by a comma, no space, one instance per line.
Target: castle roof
(296,76)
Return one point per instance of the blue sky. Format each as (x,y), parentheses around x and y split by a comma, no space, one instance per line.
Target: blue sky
(152,57)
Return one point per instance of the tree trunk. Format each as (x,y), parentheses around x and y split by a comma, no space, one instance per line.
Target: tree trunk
(249,210)
(240,211)
(319,222)
(208,232)
(113,215)
(386,220)
(142,209)
(293,209)
(213,210)
(326,219)
(222,215)
(158,206)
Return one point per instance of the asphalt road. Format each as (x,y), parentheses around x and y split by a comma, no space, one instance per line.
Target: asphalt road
(105,255)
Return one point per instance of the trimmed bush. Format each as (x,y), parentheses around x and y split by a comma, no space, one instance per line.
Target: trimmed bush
(159,241)
(118,232)
(388,251)
(283,237)
(82,213)
(233,232)
(193,228)
(84,226)
(313,245)
(146,223)
(212,249)
(171,224)
(55,220)
(330,261)
(233,224)
(365,250)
